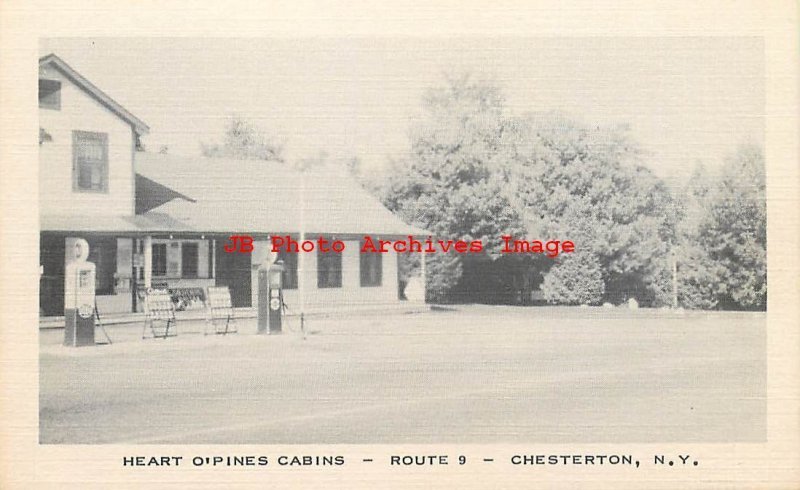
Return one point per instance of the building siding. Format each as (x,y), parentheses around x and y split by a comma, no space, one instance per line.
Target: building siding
(351,292)
(81,112)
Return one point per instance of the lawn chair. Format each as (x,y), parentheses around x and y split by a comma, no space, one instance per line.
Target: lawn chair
(159,313)
(219,308)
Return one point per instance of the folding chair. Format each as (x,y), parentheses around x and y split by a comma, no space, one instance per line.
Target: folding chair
(219,309)
(159,314)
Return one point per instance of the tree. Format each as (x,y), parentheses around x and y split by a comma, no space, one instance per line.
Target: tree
(476,174)
(699,278)
(722,261)
(575,279)
(244,141)
(735,230)
(698,275)
(588,184)
(449,183)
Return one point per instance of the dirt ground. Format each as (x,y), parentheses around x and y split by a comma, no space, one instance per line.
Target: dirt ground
(479,374)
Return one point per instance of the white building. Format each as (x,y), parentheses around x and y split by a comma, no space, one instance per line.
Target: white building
(154,220)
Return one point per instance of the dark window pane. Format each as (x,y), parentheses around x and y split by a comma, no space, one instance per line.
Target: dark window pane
(290,269)
(189,260)
(84,177)
(103,253)
(97,176)
(371,269)
(159,259)
(329,270)
(50,94)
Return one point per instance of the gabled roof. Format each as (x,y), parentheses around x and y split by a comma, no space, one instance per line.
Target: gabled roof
(254,196)
(51,59)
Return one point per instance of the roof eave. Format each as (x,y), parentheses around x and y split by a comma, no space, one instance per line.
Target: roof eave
(138,125)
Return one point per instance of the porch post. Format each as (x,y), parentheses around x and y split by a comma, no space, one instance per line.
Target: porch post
(302,259)
(213,252)
(148,262)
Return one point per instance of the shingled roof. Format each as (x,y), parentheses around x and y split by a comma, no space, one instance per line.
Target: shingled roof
(255,196)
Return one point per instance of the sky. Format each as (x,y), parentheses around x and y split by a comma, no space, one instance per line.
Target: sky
(685,99)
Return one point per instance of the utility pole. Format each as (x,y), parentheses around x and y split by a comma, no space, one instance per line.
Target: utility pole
(302,259)
(674,279)
(424,274)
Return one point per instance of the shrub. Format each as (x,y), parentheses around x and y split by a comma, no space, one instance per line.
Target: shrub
(576,279)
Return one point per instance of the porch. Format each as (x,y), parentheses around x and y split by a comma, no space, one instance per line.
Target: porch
(129,264)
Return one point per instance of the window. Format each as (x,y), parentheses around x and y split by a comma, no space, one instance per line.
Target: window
(290,269)
(103,253)
(89,161)
(189,260)
(159,259)
(329,269)
(174,259)
(371,269)
(50,94)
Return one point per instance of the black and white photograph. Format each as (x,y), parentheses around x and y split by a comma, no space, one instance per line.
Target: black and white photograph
(462,241)
(345,244)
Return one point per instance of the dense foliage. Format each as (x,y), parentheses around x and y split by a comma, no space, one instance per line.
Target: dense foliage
(588,185)
(576,279)
(723,260)
(476,173)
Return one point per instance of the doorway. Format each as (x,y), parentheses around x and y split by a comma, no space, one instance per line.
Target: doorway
(233,271)
(52,254)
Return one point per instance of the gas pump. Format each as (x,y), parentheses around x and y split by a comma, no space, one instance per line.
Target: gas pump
(270,297)
(79,301)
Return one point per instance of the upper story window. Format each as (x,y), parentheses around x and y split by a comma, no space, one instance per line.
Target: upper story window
(89,161)
(50,94)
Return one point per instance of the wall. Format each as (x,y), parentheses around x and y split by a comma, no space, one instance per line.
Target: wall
(351,292)
(115,303)
(79,111)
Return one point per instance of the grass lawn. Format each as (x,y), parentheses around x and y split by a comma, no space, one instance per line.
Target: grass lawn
(480,374)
